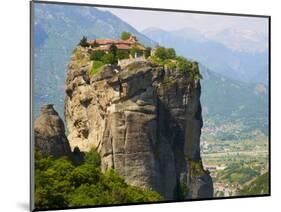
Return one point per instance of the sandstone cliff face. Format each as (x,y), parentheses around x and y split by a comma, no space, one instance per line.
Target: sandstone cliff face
(49,133)
(145,121)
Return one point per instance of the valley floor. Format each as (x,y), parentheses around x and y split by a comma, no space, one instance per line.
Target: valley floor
(235,165)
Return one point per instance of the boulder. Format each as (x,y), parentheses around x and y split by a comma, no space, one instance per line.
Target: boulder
(49,133)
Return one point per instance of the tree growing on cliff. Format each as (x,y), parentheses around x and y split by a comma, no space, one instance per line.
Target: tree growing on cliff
(84,42)
(160,52)
(170,53)
(165,53)
(183,64)
(125,35)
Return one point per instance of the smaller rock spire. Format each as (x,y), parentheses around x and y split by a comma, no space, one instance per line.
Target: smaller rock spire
(49,133)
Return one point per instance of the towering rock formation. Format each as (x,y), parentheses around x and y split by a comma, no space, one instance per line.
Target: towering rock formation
(49,133)
(145,120)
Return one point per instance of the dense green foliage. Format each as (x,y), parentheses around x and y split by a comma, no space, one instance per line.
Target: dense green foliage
(183,64)
(165,53)
(109,58)
(125,35)
(97,55)
(259,186)
(83,42)
(58,183)
(167,57)
(122,54)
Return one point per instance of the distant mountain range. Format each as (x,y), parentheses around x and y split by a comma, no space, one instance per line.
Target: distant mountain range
(225,100)
(241,40)
(233,85)
(231,96)
(240,65)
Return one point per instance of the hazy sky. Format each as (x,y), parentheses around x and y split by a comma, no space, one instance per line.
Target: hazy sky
(142,19)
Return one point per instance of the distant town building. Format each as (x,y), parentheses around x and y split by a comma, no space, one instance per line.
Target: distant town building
(210,167)
(214,167)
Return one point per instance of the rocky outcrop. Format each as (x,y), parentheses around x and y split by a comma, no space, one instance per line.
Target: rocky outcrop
(49,133)
(145,121)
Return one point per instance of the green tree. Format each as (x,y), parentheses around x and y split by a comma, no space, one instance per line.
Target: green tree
(93,158)
(109,59)
(125,35)
(52,183)
(97,55)
(183,64)
(85,174)
(83,42)
(170,53)
(122,54)
(161,53)
(165,53)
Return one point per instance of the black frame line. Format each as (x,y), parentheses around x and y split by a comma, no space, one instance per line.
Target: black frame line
(31,65)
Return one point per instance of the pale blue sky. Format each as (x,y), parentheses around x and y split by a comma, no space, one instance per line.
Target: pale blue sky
(142,19)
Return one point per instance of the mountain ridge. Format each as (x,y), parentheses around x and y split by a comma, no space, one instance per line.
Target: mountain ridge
(242,66)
